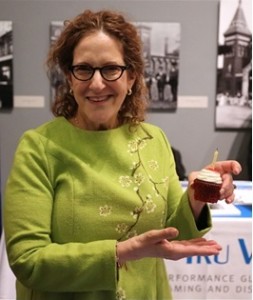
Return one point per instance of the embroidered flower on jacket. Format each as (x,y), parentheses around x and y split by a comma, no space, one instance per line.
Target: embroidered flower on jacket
(153,164)
(150,206)
(121,228)
(139,178)
(105,210)
(125,181)
(131,234)
(137,211)
(120,294)
(135,145)
(165,181)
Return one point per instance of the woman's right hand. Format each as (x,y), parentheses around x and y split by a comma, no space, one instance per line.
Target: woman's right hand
(161,243)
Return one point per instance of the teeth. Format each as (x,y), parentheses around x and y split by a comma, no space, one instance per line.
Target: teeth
(97,99)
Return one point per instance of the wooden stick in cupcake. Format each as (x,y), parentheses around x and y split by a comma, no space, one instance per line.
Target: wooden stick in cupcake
(215,157)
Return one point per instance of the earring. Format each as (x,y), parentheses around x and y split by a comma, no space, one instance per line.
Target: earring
(129,92)
(71,91)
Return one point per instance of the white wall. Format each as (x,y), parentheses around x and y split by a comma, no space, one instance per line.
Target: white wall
(189,130)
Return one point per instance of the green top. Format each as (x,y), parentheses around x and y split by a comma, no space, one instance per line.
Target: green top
(72,194)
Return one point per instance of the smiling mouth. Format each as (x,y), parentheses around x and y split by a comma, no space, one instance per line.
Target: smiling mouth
(98,99)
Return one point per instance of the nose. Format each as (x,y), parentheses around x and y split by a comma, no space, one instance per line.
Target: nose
(97,81)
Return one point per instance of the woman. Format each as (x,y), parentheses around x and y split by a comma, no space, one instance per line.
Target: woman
(93,203)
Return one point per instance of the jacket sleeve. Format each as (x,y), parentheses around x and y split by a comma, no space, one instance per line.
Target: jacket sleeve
(35,259)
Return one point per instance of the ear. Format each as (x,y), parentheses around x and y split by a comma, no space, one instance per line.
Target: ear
(131,81)
(69,79)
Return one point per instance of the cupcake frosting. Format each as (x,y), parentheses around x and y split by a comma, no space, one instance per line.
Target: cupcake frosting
(209,176)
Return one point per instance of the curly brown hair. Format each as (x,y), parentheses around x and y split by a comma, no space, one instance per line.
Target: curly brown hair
(61,56)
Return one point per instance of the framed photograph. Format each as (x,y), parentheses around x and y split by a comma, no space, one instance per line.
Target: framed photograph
(161,46)
(6,65)
(234,66)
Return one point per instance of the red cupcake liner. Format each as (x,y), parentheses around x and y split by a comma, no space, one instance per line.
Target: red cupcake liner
(206,191)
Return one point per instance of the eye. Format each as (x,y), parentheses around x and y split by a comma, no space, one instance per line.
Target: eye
(83,69)
(111,70)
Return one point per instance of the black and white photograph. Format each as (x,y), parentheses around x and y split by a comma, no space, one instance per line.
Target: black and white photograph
(161,45)
(234,66)
(6,65)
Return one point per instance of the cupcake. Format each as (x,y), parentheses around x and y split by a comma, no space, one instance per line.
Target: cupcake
(207,186)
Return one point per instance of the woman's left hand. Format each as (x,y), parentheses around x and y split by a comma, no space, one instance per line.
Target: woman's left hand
(226,168)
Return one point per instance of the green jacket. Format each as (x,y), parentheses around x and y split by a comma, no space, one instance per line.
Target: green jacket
(72,194)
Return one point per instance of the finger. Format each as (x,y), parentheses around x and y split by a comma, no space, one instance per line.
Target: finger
(227,190)
(155,236)
(230,199)
(206,250)
(179,249)
(227,185)
(198,242)
(191,241)
(228,166)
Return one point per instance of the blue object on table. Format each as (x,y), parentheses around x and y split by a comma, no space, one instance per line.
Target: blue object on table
(246,210)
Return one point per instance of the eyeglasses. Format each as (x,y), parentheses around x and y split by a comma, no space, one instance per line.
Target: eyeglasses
(109,73)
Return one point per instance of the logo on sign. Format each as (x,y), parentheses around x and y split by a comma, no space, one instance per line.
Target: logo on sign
(218,259)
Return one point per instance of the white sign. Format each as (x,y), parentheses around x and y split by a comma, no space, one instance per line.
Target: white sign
(29,101)
(192,102)
(223,276)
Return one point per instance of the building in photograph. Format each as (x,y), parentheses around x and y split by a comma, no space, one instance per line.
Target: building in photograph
(235,77)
